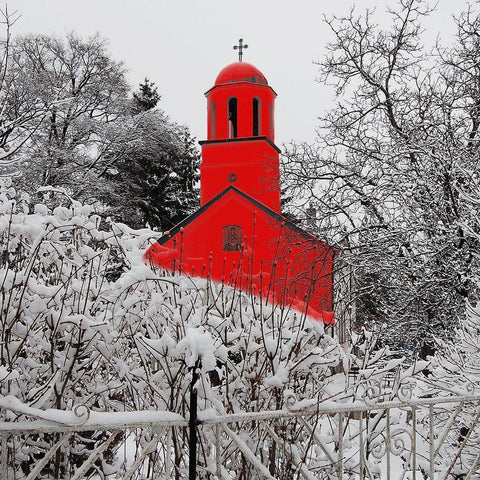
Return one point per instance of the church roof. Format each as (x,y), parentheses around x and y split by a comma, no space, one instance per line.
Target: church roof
(241,72)
(231,189)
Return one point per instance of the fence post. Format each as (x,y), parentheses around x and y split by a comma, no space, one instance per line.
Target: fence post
(414,443)
(192,425)
(361,451)
(218,445)
(168,454)
(340,446)
(388,447)
(4,456)
(431,436)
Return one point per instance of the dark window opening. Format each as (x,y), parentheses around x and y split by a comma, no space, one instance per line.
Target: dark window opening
(272,126)
(256,117)
(212,120)
(232,238)
(232,118)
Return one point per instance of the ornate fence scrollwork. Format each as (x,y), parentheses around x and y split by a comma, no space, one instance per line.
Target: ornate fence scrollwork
(386,433)
(405,392)
(82,412)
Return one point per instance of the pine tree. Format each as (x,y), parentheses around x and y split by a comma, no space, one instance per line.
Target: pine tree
(152,169)
(146,98)
(152,177)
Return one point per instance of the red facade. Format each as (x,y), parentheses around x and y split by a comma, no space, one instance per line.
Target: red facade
(238,235)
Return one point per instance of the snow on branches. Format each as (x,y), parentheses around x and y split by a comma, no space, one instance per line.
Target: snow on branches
(84,320)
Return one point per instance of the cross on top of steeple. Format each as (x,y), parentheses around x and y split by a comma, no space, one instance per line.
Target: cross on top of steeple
(240,47)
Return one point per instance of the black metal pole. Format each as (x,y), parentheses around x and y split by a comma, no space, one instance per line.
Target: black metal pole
(192,426)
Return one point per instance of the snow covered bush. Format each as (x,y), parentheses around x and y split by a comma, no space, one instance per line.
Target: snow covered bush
(54,269)
(85,322)
(455,371)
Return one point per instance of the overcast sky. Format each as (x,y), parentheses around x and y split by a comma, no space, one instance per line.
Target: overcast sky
(181,45)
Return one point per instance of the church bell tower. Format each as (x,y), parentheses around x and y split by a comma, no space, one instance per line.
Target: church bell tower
(240,149)
(238,237)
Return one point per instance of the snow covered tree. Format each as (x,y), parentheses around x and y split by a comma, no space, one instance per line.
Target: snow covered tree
(395,160)
(122,155)
(151,174)
(89,90)
(18,120)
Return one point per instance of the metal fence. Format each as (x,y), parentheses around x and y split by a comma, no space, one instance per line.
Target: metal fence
(372,438)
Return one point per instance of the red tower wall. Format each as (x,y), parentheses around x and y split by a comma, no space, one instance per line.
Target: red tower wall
(250,164)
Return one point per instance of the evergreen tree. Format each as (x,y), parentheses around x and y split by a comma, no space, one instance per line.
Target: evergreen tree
(146,98)
(153,166)
(152,177)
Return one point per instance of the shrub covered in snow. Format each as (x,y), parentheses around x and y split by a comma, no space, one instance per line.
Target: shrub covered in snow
(85,321)
(454,370)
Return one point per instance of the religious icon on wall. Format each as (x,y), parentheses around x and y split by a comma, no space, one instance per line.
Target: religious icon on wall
(232,238)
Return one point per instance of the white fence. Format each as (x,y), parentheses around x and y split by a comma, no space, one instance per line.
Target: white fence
(404,438)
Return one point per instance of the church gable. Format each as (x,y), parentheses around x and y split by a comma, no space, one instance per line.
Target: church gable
(237,240)
(249,203)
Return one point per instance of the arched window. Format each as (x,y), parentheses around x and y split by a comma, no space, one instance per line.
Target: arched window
(272,126)
(212,120)
(232,118)
(256,116)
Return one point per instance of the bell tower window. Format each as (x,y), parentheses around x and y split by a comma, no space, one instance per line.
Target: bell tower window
(256,116)
(213,121)
(272,125)
(232,118)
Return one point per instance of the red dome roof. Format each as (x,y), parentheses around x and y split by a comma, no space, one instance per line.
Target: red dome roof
(241,72)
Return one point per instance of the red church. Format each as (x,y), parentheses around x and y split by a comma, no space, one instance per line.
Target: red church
(238,236)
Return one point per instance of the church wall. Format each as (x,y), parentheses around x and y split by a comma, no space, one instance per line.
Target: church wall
(273,261)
